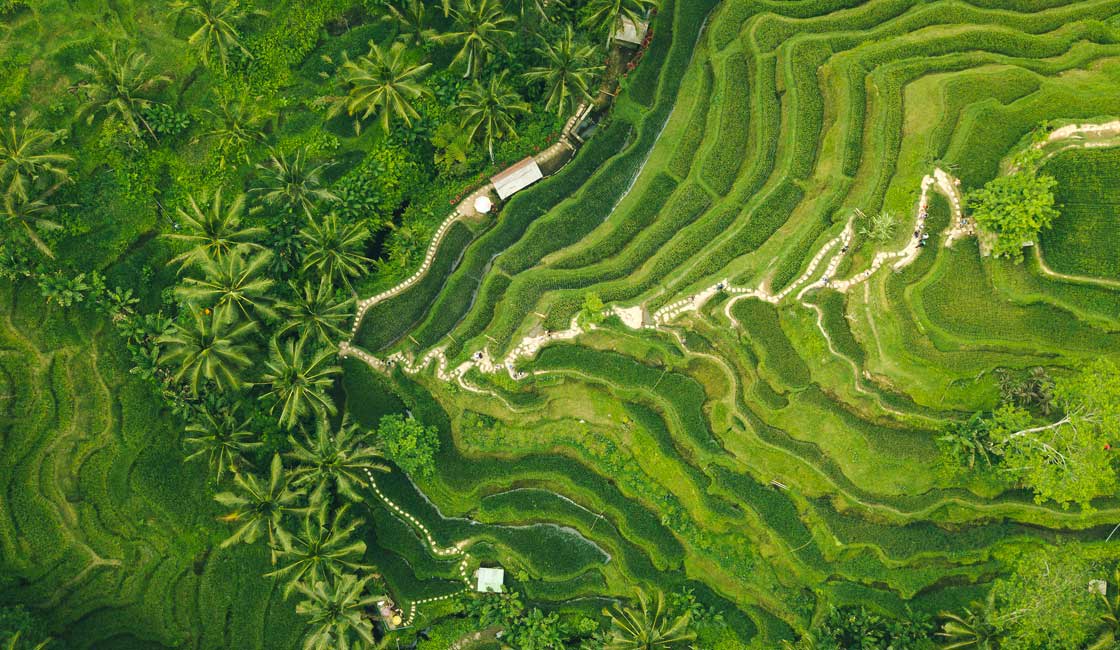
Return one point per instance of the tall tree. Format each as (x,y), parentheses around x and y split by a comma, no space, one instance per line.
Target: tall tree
(974,629)
(260,508)
(383,83)
(292,184)
(115,85)
(411,19)
(335,460)
(208,347)
(299,380)
(1046,601)
(214,233)
(27,161)
(1071,460)
(222,438)
(649,627)
(334,249)
(479,28)
(1014,208)
(336,613)
(602,16)
(488,110)
(316,312)
(320,550)
(568,72)
(235,286)
(216,33)
(30,216)
(238,123)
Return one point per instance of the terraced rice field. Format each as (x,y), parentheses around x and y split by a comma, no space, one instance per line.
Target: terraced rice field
(745,139)
(102,524)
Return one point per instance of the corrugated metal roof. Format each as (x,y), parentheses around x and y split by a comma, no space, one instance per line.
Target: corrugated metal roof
(516,178)
(490,580)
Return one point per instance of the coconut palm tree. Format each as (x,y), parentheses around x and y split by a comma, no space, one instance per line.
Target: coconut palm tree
(337,459)
(411,18)
(336,613)
(214,233)
(647,628)
(320,551)
(222,438)
(384,84)
(115,85)
(974,629)
(31,216)
(479,27)
(568,73)
(299,381)
(488,110)
(292,184)
(602,16)
(260,508)
(14,644)
(238,123)
(217,32)
(526,8)
(235,286)
(26,159)
(316,312)
(208,346)
(1109,637)
(334,249)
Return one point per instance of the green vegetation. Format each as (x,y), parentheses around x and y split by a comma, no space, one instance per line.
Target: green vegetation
(760,363)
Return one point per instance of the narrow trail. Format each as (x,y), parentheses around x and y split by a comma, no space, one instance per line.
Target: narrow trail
(458,550)
(830,256)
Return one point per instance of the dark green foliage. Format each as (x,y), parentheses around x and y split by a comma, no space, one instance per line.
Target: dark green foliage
(848,628)
(409,444)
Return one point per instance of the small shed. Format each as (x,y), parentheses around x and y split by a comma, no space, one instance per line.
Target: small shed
(490,580)
(630,32)
(516,178)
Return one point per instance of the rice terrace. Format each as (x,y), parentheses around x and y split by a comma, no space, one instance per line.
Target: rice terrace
(544,324)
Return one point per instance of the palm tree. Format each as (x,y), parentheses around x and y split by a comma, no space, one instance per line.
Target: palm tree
(334,249)
(383,83)
(975,629)
(233,283)
(260,508)
(238,123)
(299,382)
(647,628)
(538,7)
(336,612)
(292,184)
(340,460)
(489,110)
(215,233)
(208,346)
(31,215)
(316,312)
(26,158)
(602,16)
(14,644)
(478,27)
(321,552)
(115,85)
(568,74)
(411,19)
(223,439)
(1110,634)
(216,33)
